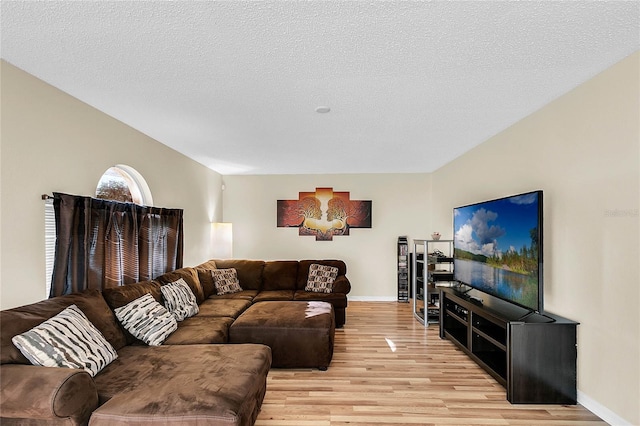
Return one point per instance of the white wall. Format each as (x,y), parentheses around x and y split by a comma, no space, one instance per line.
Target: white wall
(583,150)
(399,207)
(53,142)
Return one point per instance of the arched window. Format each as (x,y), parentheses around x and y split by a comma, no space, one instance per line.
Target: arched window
(124,183)
(119,183)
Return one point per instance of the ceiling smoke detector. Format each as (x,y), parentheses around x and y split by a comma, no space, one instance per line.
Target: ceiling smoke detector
(323,109)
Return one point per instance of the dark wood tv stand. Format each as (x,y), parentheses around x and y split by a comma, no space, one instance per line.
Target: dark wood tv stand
(532,355)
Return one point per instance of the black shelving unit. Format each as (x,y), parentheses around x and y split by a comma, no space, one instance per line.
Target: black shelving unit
(403,269)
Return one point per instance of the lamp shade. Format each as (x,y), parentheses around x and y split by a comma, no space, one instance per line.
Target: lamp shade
(222,240)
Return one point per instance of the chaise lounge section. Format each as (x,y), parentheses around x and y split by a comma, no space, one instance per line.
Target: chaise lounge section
(190,385)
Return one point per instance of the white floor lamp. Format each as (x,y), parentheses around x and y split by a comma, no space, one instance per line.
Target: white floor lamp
(222,240)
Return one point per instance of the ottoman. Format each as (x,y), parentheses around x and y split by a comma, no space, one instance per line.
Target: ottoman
(300,334)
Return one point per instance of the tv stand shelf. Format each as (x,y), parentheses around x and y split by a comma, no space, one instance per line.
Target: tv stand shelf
(532,355)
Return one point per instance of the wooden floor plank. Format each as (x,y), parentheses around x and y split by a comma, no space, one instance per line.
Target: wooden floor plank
(388,369)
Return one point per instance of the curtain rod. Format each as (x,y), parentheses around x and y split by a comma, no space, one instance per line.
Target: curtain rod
(47,197)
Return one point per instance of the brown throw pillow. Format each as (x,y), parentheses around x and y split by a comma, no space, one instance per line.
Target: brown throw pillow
(321,278)
(226,281)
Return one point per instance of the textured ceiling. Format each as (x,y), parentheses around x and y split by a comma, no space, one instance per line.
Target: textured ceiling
(234,85)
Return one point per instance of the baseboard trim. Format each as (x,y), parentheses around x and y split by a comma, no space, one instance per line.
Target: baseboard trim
(601,411)
(372,298)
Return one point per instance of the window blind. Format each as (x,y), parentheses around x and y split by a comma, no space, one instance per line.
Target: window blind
(49,242)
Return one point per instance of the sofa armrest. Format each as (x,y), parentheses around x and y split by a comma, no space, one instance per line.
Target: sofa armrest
(47,393)
(342,285)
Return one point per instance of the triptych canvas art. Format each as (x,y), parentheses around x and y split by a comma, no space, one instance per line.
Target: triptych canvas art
(324,213)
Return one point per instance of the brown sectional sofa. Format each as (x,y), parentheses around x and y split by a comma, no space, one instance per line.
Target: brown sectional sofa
(281,280)
(188,380)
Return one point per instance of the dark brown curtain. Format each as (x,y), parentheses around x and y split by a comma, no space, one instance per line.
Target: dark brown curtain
(102,244)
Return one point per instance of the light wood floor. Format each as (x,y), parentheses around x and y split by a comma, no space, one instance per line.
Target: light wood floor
(387,369)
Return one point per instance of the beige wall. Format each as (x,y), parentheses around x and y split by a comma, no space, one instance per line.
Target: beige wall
(583,150)
(53,142)
(399,207)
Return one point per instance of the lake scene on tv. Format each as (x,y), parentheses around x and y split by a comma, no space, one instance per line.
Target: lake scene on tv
(496,245)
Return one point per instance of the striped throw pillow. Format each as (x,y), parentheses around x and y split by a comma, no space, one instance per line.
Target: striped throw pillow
(321,278)
(226,281)
(147,320)
(69,340)
(179,299)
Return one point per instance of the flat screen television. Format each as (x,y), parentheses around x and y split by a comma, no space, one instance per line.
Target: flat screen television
(498,248)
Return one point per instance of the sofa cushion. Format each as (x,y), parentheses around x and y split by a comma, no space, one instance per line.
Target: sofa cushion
(147,320)
(186,385)
(205,277)
(66,340)
(280,275)
(226,281)
(189,275)
(198,330)
(249,271)
(179,300)
(244,294)
(272,295)
(221,307)
(304,265)
(321,278)
(18,320)
(342,285)
(117,297)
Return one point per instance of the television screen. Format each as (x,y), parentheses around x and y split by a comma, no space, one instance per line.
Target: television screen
(498,248)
